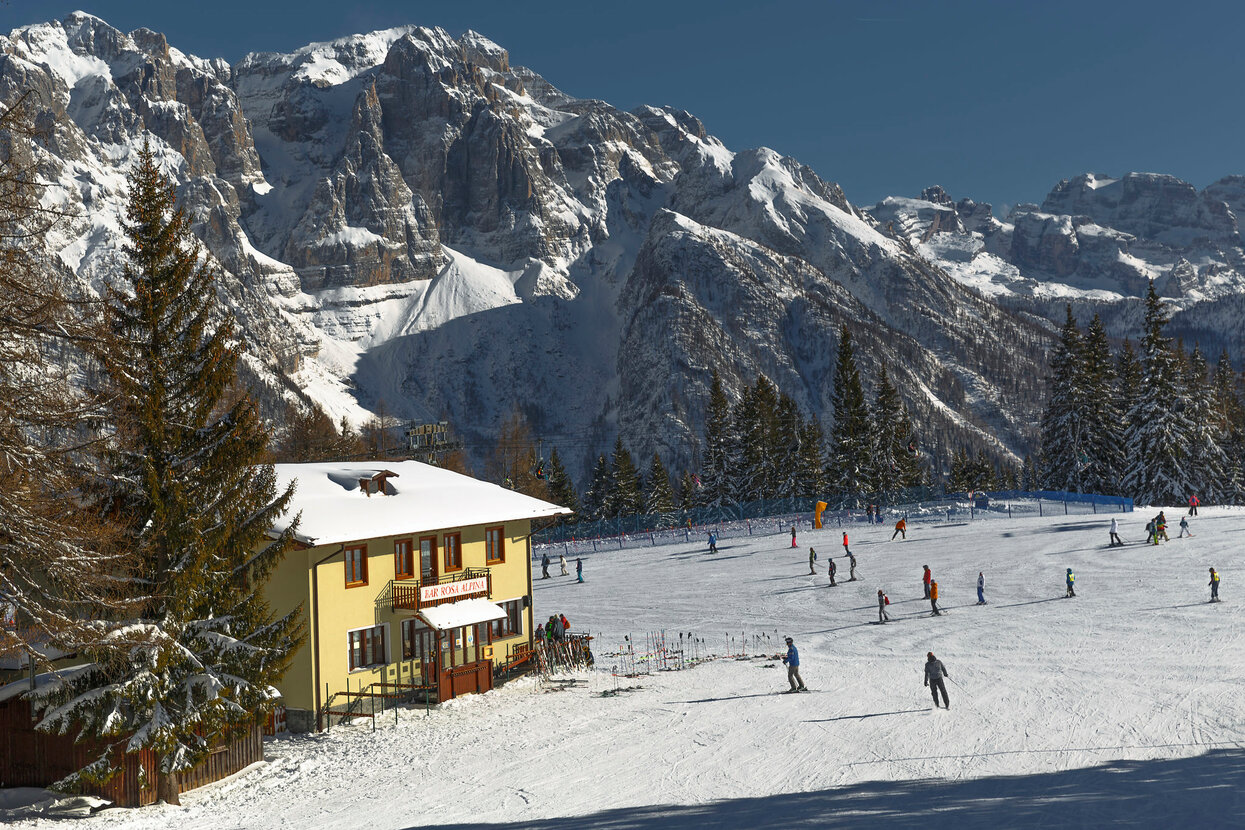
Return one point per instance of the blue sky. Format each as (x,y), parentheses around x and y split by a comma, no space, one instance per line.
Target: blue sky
(993,100)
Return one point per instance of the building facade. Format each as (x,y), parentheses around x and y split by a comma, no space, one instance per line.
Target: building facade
(409,578)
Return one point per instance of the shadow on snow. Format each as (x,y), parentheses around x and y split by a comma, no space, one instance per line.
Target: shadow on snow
(1200,791)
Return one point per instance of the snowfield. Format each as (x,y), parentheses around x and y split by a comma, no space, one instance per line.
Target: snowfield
(1124,706)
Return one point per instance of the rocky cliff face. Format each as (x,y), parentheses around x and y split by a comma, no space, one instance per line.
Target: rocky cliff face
(404,216)
(1096,242)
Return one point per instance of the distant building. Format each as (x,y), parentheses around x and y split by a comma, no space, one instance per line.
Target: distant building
(409,577)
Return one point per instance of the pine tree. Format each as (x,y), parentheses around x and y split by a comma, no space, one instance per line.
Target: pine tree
(893,467)
(561,488)
(1159,424)
(1231,416)
(184,472)
(715,480)
(961,477)
(310,435)
(1103,421)
(624,496)
(787,449)
(1209,468)
(599,488)
(755,427)
(811,463)
(1028,475)
(1065,456)
(687,491)
(659,495)
(57,567)
(849,438)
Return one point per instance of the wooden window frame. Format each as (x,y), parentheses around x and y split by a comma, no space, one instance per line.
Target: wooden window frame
(398,573)
(500,551)
(512,624)
(412,630)
(436,564)
(368,642)
(346,557)
(457,547)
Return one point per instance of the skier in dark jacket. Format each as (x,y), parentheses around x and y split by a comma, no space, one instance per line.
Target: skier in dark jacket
(833,570)
(981,588)
(812,557)
(579,569)
(544,567)
(793,667)
(935,671)
(851,558)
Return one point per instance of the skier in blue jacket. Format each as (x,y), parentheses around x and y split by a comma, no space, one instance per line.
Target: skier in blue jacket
(793,667)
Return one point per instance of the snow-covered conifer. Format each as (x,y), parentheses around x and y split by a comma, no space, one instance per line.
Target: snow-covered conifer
(1103,421)
(1159,433)
(658,494)
(849,449)
(1209,467)
(1065,456)
(716,486)
(184,473)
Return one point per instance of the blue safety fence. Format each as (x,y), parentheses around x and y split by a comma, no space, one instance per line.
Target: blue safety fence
(780,516)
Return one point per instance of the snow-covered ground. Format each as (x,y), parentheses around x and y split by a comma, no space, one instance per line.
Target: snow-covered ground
(1124,706)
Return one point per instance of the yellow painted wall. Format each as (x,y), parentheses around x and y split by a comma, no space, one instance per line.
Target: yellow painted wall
(342,609)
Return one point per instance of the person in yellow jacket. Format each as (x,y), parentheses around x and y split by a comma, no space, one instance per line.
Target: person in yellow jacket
(933,598)
(1070,579)
(1214,586)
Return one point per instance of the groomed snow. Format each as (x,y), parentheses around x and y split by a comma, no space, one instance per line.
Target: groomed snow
(1121,707)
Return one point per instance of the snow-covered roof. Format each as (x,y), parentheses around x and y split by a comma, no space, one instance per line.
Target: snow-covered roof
(42,679)
(463,612)
(417,497)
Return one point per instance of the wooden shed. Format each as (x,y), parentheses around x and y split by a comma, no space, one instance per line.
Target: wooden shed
(30,758)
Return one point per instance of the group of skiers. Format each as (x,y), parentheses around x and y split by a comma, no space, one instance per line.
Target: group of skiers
(554,630)
(832,570)
(579,567)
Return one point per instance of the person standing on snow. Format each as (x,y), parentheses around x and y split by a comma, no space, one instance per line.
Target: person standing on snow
(935,671)
(1193,503)
(792,535)
(882,603)
(812,557)
(562,562)
(793,667)
(1160,528)
(845,550)
(901,529)
(544,566)
(981,588)
(1184,527)
(1070,579)
(833,570)
(1151,533)
(1214,586)
(933,598)
(579,569)
(1116,541)
(713,542)
(851,559)
(925,580)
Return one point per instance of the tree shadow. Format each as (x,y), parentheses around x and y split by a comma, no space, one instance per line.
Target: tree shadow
(1201,791)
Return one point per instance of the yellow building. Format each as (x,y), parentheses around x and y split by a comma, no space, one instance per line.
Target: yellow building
(408,576)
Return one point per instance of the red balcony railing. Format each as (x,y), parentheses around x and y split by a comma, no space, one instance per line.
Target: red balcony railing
(408,595)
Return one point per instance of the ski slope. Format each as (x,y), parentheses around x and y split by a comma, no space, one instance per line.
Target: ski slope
(1123,706)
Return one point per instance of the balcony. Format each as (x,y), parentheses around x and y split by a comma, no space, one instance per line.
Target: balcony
(471,583)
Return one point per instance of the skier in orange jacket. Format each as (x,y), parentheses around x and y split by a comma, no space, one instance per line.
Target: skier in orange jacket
(901,529)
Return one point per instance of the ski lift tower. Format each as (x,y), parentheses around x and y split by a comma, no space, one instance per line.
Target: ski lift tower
(431,442)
